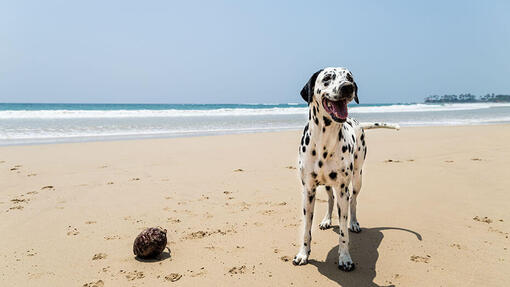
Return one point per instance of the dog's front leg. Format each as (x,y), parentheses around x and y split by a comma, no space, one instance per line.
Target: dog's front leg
(308,206)
(342,197)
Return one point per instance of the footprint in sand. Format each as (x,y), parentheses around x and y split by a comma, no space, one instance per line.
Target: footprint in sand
(421,259)
(237,270)
(135,179)
(133,275)
(449,161)
(31,174)
(72,231)
(172,277)
(285,258)
(238,170)
(110,183)
(98,283)
(51,187)
(15,168)
(455,245)
(391,160)
(111,237)
(482,219)
(476,159)
(90,222)
(99,256)
(290,167)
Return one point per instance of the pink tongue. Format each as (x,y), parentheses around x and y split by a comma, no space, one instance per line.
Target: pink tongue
(340,109)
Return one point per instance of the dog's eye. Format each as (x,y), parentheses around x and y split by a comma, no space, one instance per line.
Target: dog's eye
(327,78)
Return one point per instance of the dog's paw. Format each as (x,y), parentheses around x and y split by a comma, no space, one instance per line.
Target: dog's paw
(354,227)
(345,263)
(300,259)
(325,224)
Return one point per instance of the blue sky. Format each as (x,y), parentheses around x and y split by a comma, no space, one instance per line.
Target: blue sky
(248,52)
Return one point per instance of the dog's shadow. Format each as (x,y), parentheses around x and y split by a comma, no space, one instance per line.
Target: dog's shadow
(363,249)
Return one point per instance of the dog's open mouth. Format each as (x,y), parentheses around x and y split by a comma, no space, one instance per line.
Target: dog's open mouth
(337,110)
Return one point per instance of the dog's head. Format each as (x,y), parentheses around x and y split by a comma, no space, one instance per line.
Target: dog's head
(332,89)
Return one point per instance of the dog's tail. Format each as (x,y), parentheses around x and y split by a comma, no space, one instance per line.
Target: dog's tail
(376,125)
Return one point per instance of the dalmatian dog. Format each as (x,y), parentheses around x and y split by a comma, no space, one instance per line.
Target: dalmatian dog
(332,153)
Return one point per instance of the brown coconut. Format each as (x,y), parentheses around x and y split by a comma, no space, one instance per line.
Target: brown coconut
(150,243)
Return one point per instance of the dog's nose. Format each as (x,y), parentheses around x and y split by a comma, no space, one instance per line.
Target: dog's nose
(346,89)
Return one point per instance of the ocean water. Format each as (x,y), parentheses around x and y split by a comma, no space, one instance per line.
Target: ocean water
(51,123)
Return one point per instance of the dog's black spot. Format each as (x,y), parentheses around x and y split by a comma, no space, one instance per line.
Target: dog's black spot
(332,175)
(316,121)
(314,111)
(340,135)
(346,174)
(307,140)
(310,198)
(362,138)
(344,148)
(325,154)
(353,139)
(320,163)
(341,233)
(302,182)
(313,174)
(341,194)
(328,187)
(349,123)
(376,124)
(327,121)
(343,185)
(313,152)
(355,156)
(305,244)
(303,148)
(359,148)
(323,129)
(331,155)
(353,192)
(304,211)
(343,241)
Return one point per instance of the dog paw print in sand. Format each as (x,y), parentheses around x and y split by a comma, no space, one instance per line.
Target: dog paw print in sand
(290,167)
(172,277)
(98,283)
(133,275)
(238,170)
(15,168)
(420,259)
(31,252)
(72,231)
(285,258)
(99,256)
(48,187)
(111,237)
(484,219)
(476,159)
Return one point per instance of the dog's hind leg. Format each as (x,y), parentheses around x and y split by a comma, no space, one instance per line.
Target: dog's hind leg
(356,188)
(308,206)
(326,222)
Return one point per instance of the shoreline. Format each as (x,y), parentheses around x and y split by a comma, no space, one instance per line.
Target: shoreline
(213,134)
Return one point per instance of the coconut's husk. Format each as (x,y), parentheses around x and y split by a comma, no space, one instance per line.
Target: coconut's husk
(150,243)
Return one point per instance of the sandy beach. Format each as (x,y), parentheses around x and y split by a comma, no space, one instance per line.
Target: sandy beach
(434,209)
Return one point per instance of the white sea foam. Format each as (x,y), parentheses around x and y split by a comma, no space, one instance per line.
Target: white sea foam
(229,112)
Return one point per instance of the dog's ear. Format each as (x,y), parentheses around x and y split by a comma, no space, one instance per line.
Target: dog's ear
(355,92)
(307,91)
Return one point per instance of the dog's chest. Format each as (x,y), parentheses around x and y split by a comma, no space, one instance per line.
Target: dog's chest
(332,156)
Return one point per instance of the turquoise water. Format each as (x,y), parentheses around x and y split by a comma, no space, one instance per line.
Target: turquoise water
(50,123)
